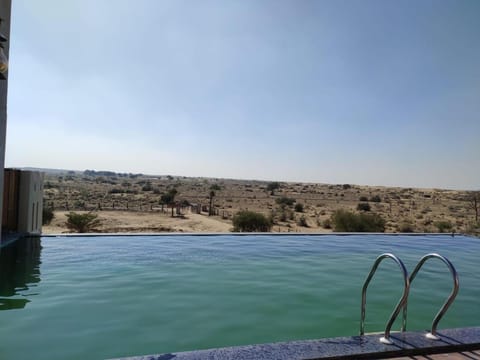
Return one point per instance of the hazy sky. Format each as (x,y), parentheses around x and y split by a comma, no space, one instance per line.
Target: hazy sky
(367,92)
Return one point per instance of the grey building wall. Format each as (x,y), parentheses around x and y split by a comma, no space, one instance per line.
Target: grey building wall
(5,11)
(30,202)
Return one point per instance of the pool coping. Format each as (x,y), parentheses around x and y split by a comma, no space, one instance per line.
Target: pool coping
(353,347)
(249,234)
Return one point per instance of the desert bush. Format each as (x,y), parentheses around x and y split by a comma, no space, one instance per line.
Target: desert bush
(363,207)
(147,187)
(79,204)
(291,215)
(82,223)
(299,207)
(116,191)
(48,185)
(47,215)
(272,217)
(346,186)
(363,198)
(285,201)
(302,221)
(346,221)
(376,198)
(250,221)
(327,224)
(406,227)
(473,228)
(443,226)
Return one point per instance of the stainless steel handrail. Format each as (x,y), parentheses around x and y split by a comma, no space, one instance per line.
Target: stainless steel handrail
(401,303)
(433,333)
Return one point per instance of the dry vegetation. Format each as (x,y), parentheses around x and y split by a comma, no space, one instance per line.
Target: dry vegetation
(132,203)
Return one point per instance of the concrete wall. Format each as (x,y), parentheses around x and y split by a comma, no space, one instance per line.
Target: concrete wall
(5,11)
(30,202)
(11,190)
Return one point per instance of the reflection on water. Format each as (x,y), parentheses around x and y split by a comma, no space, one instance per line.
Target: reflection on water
(19,271)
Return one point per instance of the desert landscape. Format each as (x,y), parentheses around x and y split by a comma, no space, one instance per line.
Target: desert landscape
(136,203)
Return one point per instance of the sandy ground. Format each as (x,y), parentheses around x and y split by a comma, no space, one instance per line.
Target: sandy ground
(125,221)
(131,203)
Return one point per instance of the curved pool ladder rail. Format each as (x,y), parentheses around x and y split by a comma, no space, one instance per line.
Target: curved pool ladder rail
(433,333)
(402,303)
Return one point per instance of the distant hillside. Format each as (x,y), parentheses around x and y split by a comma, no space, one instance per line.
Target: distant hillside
(50,171)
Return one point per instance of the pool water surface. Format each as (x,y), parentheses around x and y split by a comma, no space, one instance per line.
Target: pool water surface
(111,296)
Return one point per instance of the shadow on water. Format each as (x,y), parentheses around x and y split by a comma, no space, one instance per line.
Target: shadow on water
(19,270)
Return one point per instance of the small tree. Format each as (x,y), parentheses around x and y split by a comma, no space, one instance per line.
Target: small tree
(272,187)
(47,215)
(299,207)
(250,221)
(169,198)
(473,199)
(82,223)
(211,195)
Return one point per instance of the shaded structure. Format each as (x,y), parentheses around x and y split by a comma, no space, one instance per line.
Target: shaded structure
(5,11)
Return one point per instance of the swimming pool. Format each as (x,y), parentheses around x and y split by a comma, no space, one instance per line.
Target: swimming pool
(111,296)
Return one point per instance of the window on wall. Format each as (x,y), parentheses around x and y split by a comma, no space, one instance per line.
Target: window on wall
(36,217)
(33,217)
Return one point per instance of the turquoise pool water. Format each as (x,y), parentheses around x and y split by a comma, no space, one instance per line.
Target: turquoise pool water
(109,296)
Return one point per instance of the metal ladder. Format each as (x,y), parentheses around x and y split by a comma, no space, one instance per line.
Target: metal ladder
(403,302)
(433,332)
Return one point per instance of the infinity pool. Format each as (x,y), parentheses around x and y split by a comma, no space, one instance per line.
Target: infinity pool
(111,296)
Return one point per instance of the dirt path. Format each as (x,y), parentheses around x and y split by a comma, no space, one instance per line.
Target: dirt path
(125,221)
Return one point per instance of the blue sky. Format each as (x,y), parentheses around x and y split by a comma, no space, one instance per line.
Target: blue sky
(363,92)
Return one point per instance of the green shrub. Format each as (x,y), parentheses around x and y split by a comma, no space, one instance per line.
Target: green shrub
(346,221)
(82,223)
(363,207)
(444,226)
(250,221)
(47,215)
(299,207)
